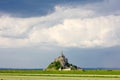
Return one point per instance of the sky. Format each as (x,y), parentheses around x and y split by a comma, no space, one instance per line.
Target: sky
(34,32)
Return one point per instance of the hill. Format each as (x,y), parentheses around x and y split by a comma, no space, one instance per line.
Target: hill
(61,63)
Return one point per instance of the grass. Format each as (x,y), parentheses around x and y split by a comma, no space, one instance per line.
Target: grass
(59,75)
(53,77)
(99,72)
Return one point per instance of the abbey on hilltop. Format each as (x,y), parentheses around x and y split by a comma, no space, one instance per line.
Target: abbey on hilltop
(61,63)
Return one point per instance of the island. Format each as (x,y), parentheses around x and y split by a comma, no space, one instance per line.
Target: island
(61,63)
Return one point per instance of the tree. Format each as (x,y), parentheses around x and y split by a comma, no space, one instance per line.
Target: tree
(54,65)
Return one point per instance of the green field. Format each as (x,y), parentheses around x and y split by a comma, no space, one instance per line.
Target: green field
(59,75)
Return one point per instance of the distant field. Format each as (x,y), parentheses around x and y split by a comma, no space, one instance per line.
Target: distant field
(100,72)
(59,75)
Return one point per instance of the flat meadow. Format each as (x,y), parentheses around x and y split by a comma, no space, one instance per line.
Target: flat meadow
(59,75)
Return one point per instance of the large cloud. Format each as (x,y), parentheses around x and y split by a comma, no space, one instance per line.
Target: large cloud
(91,32)
(67,27)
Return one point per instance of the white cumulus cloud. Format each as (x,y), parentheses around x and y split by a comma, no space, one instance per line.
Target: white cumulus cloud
(66,26)
(91,32)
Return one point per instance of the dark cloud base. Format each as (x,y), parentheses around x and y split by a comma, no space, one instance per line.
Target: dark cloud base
(29,8)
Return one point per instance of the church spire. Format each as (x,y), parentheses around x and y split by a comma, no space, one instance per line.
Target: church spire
(62,53)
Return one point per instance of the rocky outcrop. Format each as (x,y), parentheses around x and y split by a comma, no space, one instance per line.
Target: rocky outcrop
(61,63)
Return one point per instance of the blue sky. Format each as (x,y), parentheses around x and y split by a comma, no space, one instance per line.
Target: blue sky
(34,32)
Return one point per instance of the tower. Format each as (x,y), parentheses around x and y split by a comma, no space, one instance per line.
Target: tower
(62,55)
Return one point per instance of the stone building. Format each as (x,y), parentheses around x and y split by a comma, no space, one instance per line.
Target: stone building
(61,63)
(63,60)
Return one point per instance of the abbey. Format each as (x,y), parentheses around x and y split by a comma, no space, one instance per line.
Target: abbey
(61,63)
